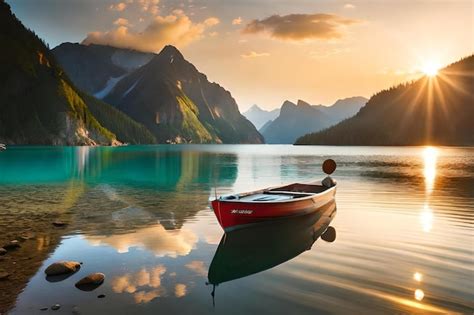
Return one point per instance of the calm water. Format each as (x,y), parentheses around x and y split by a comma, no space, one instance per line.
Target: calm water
(140,215)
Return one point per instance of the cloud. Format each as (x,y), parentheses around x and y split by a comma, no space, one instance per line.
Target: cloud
(198,267)
(156,239)
(211,21)
(122,22)
(254,54)
(299,27)
(327,52)
(174,29)
(150,6)
(144,285)
(180,290)
(349,6)
(237,21)
(213,34)
(118,7)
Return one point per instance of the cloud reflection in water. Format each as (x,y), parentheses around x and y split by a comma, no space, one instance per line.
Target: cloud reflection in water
(156,239)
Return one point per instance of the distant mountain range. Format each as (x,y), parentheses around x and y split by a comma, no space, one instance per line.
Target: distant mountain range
(299,119)
(162,91)
(40,105)
(260,117)
(432,110)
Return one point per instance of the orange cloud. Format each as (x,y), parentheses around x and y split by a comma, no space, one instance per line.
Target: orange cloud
(254,54)
(237,21)
(122,22)
(174,29)
(118,7)
(150,6)
(298,27)
(211,21)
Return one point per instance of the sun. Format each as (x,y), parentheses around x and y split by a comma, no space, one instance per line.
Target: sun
(430,68)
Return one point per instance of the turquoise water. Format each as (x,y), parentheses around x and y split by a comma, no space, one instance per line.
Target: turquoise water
(140,215)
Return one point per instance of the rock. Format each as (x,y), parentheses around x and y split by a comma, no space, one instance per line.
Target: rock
(60,223)
(329,235)
(43,309)
(101,296)
(55,307)
(27,236)
(4,275)
(3,251)
(62,267)
(90,282)
(12,245)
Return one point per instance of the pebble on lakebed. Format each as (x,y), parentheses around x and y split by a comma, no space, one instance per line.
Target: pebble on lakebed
(60,223)
(55,307)
(90,282)
(62,267)
(3,251)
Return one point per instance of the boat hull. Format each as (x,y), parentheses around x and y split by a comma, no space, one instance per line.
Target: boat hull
(237,214)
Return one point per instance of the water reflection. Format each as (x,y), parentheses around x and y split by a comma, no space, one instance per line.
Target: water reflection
(419,294)
(248,251)
(139,215)
(156,239)
(430,156)
(144,285)
(426,218)
(417,276)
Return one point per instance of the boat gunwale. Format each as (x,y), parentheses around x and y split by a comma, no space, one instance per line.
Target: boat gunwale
(276,201)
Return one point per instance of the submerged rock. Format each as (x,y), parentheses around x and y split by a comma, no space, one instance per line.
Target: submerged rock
(62,267)
(60,223)
(101,296)
(4,275)
(90,282)
(3,251)
(12,245)
(43,309)
(55,307)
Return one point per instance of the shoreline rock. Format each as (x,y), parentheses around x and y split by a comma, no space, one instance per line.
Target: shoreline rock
(62,267)
(90,282)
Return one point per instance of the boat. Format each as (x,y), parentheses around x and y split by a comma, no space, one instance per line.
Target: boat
(244,209)
(248,251)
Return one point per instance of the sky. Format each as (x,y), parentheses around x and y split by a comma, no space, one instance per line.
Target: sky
(268,51)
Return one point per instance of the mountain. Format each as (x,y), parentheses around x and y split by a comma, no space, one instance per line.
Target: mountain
(431,110)
(38,102)
(95,69)
(344,108)
(295,120)
(303,118)
(178,104)
(259,116)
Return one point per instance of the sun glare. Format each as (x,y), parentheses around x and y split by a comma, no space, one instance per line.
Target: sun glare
(430,68)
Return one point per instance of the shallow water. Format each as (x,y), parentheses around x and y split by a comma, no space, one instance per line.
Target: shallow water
(140,215)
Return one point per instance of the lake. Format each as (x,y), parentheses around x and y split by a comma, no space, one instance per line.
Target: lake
(140,215)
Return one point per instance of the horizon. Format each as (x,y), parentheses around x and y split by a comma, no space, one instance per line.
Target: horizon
(253,38)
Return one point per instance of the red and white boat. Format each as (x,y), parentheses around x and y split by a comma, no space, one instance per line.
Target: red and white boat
(240,210)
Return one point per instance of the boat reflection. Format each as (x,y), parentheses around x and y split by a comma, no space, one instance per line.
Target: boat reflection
(248,251)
